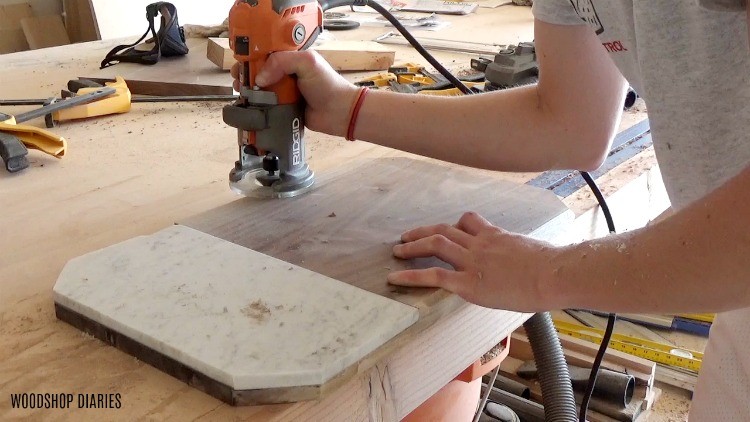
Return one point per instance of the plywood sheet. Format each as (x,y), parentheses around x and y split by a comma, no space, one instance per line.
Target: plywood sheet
(80,21)
(44,31)
(11,15)
(12,40)
(346,227)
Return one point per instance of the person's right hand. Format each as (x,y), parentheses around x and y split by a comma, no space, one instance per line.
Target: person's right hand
(329,96)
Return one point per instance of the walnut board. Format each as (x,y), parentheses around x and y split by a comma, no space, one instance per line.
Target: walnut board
(347,226)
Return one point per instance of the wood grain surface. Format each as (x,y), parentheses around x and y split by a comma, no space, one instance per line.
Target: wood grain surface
(347,226)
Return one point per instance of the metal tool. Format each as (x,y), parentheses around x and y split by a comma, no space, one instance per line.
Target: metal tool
(135,99)
(53,105)
(270,122)
(15,137)
(512,66)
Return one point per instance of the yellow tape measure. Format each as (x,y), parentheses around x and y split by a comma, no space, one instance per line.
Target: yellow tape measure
(647,349)
(699,317)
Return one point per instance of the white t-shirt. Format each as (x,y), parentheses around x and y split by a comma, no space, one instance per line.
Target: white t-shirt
(690,61)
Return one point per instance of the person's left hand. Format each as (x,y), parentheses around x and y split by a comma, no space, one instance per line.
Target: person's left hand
(492,267)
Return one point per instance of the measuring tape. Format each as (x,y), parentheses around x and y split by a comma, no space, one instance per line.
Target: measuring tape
(698,317)
(651,350)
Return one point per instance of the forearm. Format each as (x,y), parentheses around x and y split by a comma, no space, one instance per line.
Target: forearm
(695,260)
(509,130)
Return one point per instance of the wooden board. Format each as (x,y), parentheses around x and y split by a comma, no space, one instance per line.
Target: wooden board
(219,53)
(356,55)
(341,55)
(12,14)
(12,40)
(346,228)
(80,21)
(44,31)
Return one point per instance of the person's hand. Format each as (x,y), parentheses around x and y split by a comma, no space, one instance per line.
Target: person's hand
(492,267)
(329,96)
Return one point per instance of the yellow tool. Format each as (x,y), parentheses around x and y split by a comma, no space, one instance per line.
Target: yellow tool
(411,78)
(380,80)
(15,138)
(651,350)
(36,138)
(451,92)
(409,67)
(117,102)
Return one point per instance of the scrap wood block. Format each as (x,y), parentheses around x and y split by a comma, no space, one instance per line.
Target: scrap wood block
(44,31)
(218,51)
(356,55)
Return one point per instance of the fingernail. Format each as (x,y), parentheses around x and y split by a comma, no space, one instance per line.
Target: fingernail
(260,80)
(397,249)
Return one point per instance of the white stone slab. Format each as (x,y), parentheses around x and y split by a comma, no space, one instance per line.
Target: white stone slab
(238,316)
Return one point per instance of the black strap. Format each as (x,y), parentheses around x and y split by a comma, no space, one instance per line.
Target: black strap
(169,41)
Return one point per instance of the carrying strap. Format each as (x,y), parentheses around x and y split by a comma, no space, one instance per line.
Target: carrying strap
(169,41)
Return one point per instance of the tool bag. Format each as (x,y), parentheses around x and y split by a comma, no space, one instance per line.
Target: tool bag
(169,41)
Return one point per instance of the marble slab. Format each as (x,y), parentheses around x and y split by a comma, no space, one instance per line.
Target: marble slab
(240,317)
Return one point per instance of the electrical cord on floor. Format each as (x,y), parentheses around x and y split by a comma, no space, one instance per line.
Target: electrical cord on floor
(587,177)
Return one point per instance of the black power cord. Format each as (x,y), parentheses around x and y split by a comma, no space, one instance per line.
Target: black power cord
(326,4)
(612,317)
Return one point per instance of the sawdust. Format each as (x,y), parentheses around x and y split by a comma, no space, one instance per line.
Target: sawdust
(257,310)
(492,354)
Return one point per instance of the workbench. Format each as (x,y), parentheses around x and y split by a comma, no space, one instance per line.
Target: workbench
(136,173)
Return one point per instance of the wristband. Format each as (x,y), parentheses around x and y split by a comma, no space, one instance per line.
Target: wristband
(355,112)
